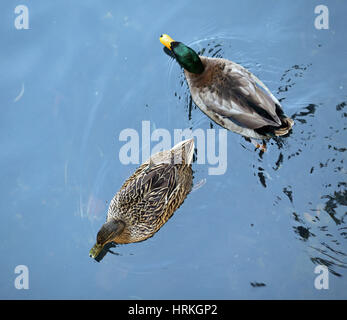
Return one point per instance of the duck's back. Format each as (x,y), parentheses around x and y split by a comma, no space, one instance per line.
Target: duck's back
(149,198)
(233,97)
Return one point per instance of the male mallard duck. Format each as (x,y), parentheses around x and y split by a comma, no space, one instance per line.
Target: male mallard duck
(229,94)
(148,198)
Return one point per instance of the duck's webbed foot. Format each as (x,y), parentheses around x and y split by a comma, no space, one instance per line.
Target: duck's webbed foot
(261,147)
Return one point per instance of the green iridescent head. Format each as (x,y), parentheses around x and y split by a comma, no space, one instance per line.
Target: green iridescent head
(185,56)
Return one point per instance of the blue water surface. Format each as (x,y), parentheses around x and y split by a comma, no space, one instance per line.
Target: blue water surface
(86,70)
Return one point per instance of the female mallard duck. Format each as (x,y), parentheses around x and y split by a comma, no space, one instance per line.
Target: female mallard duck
(229,94)
(148,198)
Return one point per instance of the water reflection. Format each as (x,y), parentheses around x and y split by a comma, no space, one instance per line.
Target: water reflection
(296,71)
(257,284)
(324,239)
(105,250)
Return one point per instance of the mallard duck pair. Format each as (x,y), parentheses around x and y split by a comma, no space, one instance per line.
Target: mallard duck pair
(232,97)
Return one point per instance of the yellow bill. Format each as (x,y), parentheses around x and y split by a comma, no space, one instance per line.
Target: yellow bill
(166,40)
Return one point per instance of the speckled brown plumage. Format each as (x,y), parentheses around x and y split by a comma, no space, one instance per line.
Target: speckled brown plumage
(151,195)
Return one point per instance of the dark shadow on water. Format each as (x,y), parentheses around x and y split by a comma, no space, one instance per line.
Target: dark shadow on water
(303,232)
(288,76)
(257,284)
(307,111)
(325,239)
(339,198)
(105,250)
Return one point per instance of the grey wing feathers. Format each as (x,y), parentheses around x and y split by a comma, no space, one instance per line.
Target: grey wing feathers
(241,96)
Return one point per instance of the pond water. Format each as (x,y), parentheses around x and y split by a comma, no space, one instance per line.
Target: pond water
(85,71)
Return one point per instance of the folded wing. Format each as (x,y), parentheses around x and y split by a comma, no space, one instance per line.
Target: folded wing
(239,95)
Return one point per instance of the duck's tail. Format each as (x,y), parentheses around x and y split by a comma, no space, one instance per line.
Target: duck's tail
(181,153)
(287,124)
(184,151)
